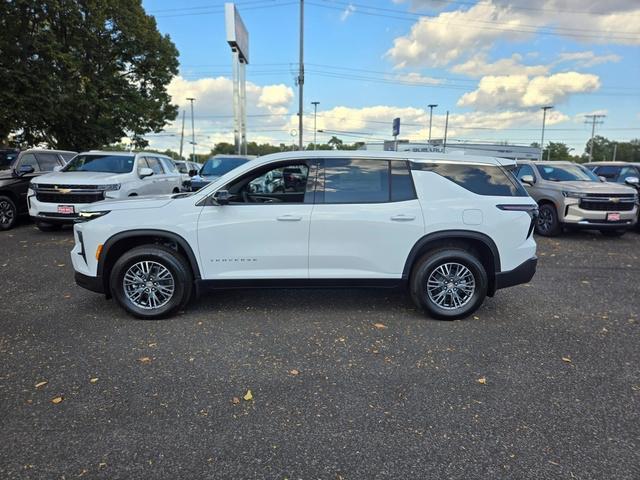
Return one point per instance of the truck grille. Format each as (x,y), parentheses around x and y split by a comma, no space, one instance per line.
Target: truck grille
(605,204)
(69,198)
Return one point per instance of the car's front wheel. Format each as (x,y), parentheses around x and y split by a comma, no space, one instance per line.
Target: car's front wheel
(449,283)
(8,213)
(547,223)
(151,281)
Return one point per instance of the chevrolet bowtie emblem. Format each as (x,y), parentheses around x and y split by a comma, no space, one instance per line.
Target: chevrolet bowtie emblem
(614,200)
(63,190)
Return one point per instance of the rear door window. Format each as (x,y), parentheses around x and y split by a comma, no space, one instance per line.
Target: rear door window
(355,181)
(154,164)
(401,182)
(47,161)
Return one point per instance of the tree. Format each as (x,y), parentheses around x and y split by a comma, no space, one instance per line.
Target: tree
(335,143)
(78,75)
(557,151)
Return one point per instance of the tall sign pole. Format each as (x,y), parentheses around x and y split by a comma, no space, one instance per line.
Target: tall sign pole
(395,131)
(315,124)
(238,40)
(301,78)
(431,107)
(544,119)
(193,133)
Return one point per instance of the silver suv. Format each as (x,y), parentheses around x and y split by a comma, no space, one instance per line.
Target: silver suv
(570,195)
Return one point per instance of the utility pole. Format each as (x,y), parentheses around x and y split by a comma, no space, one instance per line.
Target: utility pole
(315,113)
(544,119)
(301,77)
(193,133)
(182,135)
(594,119)
(615,151)
(446,128)
(431,107)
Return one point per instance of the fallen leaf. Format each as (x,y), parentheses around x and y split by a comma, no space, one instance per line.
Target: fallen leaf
(66,295)
(61,264)
(248,396)
(102,465)
(482,381)
(41,384)
(566,359)
(144,360)
(380,326)
(586,282)
(94,380)
(57,400)
(235,400)
(475,317)
(294,372)
(152,345)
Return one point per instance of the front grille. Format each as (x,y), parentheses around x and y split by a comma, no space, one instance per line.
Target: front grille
(72,187)
(602,205)
(69,198)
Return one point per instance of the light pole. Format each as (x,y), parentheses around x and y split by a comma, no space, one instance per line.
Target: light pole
(301,77)
(431,107)
(315,113)
(193,133)
(544,119)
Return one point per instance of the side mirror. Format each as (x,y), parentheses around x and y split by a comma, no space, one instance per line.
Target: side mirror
(528,179)
(221,197)
(145,172)
(634,181)
(57,168)
(602,179)
(193,173)
(25,169)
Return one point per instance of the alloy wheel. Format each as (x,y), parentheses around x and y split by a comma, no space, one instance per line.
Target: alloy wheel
(451,286)
(148,285)
(6,213)
(545,220)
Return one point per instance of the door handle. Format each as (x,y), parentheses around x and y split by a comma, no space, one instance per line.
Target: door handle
(403,218)
(289,218)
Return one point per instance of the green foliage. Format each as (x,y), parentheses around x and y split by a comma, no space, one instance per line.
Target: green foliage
(603,150)
(557,151)
(80,74)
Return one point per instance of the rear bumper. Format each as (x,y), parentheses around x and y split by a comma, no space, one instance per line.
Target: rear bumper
(523,273)
(90,283)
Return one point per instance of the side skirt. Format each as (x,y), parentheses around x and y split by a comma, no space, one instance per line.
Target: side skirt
(301,283)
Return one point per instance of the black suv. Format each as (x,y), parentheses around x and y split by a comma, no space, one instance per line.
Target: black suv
(16,171)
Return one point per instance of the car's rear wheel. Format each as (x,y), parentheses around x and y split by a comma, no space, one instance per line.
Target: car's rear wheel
(151,281)
(613,233)
(547,223)
(8,213)
(449,283)
(48,227)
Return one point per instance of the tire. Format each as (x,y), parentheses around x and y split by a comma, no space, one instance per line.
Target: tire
(547,223)
(431,266)
(8,213)
(613,233)
(169,260)
(48,227)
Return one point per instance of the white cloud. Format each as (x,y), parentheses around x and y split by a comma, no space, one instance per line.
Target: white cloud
(452,36)
(479,66)
(580,117)
(521,91)
(417,79)
(588,58)
(347,12)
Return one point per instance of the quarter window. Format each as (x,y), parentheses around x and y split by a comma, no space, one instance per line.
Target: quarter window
(479,179)
(401,182)
(356,181)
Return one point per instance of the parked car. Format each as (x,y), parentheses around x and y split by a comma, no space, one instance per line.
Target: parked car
(570,195)
(452,229)
(56,198)
(187,169)
(215,167)
(16,171)
(626,173)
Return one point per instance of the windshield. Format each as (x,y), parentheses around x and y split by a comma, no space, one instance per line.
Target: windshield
(7,159)
(566,173)
(101,163)
(219,166)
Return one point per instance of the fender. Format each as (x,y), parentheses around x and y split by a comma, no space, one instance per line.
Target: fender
(448,235)
(150,233)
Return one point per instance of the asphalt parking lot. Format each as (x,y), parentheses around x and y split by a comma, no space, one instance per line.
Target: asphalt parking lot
(543,383)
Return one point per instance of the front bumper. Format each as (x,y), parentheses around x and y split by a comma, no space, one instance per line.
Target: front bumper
(574,216)
(48,212)
(93,284)
(523,273)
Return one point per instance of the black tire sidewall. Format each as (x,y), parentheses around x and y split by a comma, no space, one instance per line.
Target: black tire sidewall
(430,262)
(9,226)
(555,228)
(171,260)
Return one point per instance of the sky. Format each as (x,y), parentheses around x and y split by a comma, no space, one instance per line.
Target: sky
(492,64)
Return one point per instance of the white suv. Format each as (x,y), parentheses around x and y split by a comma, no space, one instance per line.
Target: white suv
(452,228)
(56,198)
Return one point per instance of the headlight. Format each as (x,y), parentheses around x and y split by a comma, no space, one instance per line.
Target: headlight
(109,188)
(573,194)
(86,216)
(33,186)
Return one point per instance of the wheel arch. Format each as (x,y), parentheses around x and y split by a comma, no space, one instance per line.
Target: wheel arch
(483,244)
(121,242)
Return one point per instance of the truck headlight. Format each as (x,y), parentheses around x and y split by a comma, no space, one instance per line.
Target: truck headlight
(86,216)
(109,188)
(573,194)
